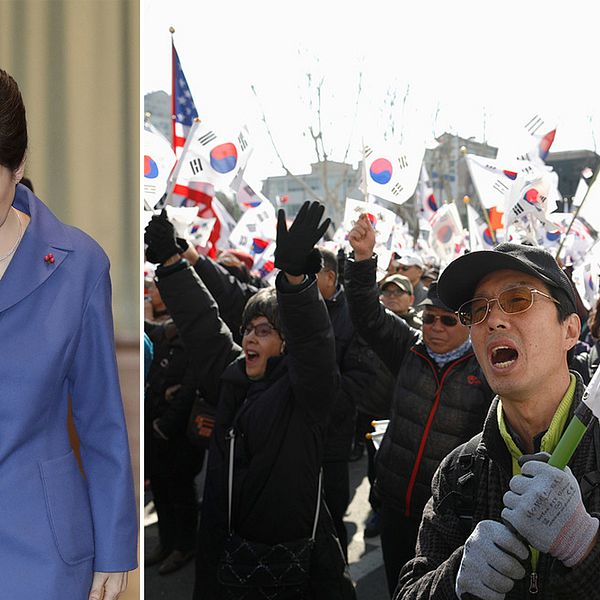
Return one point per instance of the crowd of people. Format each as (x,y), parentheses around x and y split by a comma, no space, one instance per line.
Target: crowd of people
(477,368)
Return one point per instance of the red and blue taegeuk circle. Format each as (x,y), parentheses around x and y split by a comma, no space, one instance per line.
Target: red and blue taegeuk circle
(553,236)
(532,196)
(381,170)
(444,234)
(431,203)
(150,168)
(258,245)
(487,237)
(223,158)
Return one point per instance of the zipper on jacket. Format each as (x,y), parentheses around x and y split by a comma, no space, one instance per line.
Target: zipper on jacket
(533,583)
(436,400)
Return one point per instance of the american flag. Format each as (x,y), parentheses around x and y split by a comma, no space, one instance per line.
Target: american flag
(183,113)
(183,109)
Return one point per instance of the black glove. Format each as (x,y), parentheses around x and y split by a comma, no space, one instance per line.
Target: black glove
(295,252)
(160,238)
(182,244)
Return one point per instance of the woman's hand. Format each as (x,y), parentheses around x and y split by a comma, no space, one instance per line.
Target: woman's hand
(108,586)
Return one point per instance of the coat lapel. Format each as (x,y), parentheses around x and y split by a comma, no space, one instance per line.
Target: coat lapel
(44,235)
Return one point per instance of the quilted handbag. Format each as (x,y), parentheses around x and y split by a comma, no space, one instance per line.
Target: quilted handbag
(256,570)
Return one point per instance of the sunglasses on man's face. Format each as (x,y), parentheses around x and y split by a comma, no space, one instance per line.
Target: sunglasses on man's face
(260,330)
(513,301)
(447,320)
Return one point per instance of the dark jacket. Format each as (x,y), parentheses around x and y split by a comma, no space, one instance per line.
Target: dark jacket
(281,422)
(170,367)
(433,410)
(230,293)
(357,375)
(432,573)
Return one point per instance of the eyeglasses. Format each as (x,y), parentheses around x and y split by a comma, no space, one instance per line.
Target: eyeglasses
(447,320)
(260,330)
(513,301)
(393,293)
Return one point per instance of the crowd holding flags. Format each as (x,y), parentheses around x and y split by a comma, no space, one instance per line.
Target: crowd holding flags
(517,195)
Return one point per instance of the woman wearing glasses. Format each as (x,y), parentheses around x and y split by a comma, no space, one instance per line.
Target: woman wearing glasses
(61,536)
(440,398)
(273,396)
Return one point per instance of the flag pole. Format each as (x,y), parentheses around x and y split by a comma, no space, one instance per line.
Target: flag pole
(486,216)
(466,200)
(173,108)
(364,166)
(576,214)
(175,173)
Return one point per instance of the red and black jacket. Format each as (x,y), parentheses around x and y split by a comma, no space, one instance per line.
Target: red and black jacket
(433,410)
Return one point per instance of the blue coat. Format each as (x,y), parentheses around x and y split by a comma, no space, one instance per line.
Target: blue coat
(56,341)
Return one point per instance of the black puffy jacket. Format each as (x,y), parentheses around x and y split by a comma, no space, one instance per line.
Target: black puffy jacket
(357,376)
(281,421)
(433,410)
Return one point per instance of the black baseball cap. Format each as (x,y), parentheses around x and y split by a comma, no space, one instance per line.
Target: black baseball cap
(459,279)
(433,299)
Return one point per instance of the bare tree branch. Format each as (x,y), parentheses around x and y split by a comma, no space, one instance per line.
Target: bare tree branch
(283,165)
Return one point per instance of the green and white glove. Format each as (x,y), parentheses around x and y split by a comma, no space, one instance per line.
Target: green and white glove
(491,562)
(544,505)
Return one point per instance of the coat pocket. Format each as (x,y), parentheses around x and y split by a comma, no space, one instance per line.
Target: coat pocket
(68,507)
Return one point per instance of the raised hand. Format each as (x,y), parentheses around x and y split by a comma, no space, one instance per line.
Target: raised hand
(362,238)
(161,239)
(295,252)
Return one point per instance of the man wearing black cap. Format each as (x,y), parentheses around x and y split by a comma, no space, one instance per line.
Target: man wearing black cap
(440,397)
(527,529)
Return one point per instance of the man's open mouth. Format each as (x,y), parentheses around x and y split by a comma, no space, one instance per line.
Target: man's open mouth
(503,356)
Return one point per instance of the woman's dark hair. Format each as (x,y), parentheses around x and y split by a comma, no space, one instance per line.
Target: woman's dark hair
(13,123)
(262,304)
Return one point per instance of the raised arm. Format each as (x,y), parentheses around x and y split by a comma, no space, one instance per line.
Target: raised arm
(193,309)
(306,326)
(388,335)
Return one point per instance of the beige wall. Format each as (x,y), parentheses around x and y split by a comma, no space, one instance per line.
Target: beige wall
(77,64)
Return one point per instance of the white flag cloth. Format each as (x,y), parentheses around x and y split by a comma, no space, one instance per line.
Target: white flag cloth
(379,429)
(159,160)
(447,238)
(391,171)
(189,225)
(590,209)
(247,195)
(213,157)
(582,188)
(258,223)
(426,201)
(402,239)
(227,223)
(264,263)
(494,179)
(480,237)
(532,193)
(382,219)
(531,139)
(586,277)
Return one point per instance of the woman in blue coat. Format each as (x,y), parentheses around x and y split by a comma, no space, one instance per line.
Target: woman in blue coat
(62,535)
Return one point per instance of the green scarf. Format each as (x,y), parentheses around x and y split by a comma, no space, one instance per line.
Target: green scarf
(549,440)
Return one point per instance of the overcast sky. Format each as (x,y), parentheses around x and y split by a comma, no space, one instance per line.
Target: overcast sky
(468,67)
